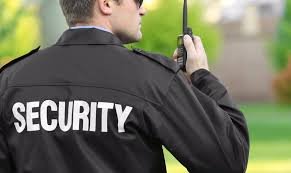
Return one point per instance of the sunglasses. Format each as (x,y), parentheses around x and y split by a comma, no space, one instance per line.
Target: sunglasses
(138,3)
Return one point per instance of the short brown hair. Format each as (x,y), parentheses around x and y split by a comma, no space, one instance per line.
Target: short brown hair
(77,11)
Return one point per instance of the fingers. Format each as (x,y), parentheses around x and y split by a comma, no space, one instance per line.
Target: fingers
(198,44)
(175,55)
(189,45)
(196,55)
(193,47)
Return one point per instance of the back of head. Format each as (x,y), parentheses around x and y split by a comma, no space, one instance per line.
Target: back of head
(77,11)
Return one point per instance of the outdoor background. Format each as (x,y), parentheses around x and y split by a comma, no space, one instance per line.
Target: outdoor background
(247,41)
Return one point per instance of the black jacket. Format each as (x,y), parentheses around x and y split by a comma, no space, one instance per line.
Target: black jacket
(87,104)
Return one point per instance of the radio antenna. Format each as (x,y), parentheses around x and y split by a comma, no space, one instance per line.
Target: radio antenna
(185,17)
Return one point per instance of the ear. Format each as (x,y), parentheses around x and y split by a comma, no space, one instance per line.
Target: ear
(105,6)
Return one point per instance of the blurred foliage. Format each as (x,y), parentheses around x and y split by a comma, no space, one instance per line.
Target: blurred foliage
(282,84)
(281,49)
(162,25)
(19,31)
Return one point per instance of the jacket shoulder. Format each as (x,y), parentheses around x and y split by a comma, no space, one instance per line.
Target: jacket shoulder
(160,59)
(18,59)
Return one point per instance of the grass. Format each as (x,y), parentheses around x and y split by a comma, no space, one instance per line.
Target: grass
(270,135)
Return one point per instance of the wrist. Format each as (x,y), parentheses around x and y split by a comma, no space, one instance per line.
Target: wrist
(197,69)
(199,74)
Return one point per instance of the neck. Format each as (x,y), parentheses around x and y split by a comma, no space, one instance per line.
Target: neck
(102,24)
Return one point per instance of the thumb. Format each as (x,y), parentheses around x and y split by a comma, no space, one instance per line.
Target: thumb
(175,55)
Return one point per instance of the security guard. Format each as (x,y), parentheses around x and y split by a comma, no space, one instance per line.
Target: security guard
(87,104)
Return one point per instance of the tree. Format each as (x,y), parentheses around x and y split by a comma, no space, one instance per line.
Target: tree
(19,30)
(162,25)
(282,57)
(281,51)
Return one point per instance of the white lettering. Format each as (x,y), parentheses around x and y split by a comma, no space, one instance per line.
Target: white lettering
(122,116)
(43,115)
(93,116)
(30,116)
(35,115)
(104,106)
(19,126)
(62,111)
(78,115)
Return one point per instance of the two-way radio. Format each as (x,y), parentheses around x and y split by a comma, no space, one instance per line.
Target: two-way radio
(182,53)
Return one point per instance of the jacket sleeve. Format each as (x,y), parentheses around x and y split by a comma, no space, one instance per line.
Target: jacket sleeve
(200,125)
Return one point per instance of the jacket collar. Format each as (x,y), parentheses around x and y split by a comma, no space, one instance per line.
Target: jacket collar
(88,36)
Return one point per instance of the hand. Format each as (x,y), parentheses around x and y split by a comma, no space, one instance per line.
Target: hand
(196,56)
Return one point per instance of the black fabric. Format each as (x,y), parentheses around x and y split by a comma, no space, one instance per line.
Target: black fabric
(88,104)
(164,61)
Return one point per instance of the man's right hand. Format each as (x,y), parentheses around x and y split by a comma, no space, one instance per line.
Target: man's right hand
(196,55)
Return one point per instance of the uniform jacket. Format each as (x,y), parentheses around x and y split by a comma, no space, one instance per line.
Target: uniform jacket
(88,104)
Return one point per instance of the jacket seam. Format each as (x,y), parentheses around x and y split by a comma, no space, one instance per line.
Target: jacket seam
(88,44)
(159,105)
(168,89)
(80,85)
(162,105)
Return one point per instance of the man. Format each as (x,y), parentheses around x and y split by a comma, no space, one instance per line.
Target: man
(88,104)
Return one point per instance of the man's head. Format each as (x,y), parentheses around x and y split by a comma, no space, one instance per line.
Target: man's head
(122,17)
